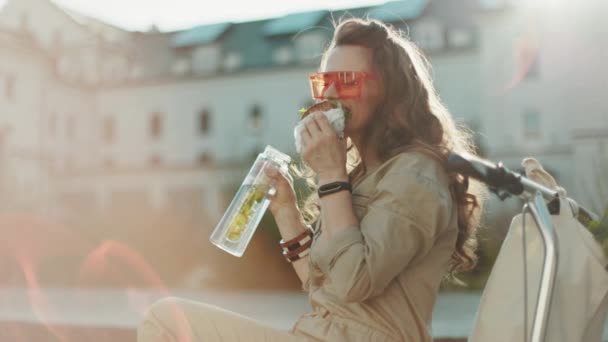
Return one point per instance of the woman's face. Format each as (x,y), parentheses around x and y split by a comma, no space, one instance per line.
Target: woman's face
(355,58)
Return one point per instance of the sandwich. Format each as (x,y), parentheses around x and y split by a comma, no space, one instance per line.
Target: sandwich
(333,110)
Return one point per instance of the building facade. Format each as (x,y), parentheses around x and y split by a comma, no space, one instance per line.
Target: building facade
(91,112)
(543,79)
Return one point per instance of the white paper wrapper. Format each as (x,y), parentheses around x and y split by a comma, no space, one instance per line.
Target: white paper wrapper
(335,117)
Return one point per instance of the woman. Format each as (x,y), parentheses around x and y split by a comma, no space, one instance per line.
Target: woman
(378,255)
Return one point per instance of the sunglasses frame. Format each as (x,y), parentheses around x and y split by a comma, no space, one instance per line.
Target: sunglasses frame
(336,78)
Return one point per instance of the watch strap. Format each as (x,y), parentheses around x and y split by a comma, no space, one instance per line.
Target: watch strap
(333,187)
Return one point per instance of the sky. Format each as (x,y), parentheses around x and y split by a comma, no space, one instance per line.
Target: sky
(170,15)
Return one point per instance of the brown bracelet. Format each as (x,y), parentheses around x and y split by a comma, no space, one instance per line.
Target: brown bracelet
(304,234)
(303,252)
(291,253)
(296,245)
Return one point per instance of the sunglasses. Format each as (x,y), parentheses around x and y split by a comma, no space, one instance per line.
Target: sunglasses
(347,84)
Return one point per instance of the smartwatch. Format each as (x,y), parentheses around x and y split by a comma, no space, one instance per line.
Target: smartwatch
(334,187)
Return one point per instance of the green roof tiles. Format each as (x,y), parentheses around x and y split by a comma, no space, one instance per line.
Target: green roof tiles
(248,40)
(200,35)
(276,42)
(398,10)
(293,23)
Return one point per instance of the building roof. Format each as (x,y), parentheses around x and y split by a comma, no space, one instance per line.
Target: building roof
(399,10)
(293,23)
(248,40)
(200,35)
(88,21)
(257,44)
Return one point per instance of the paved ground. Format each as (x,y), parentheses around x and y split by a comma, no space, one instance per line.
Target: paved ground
(119,311)
(123,309)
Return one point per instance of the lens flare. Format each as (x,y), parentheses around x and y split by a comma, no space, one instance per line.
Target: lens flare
(526,55)
(30,241)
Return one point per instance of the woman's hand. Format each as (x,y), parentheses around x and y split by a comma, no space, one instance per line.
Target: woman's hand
(322,149)
(284,197)
(284,207)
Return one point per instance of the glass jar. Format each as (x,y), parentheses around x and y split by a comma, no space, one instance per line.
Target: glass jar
(235,230)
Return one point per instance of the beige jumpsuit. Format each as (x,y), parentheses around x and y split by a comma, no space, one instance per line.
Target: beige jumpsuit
(374,282)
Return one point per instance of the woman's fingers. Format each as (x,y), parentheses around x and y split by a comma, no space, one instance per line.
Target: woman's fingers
(317,131)
(282,192)
(323,124)
(274,174)
(279,179)
(311,125)
(305,135)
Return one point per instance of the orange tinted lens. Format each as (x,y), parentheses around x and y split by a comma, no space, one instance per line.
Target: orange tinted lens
(349,84)
(317,87)
(319,83)
(349,92)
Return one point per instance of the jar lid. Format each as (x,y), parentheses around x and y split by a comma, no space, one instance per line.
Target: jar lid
(276,155)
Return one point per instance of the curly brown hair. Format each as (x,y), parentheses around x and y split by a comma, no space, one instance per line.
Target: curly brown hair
(410,117)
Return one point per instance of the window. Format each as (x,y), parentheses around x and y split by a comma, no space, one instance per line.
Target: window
(114,69)
(460,38)
(108,130)
(309,46)
(205,158)
(232,61)
(155,125)
(57,38)
(181,66)
(282,55)
(206,59)
(9,87)
(70,67)
(255,118)
(154,160)
(24,22)
(64,66)
(532,124)
(429,35)
(204,122)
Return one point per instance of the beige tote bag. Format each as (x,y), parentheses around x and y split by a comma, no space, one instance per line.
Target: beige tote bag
(580,296)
